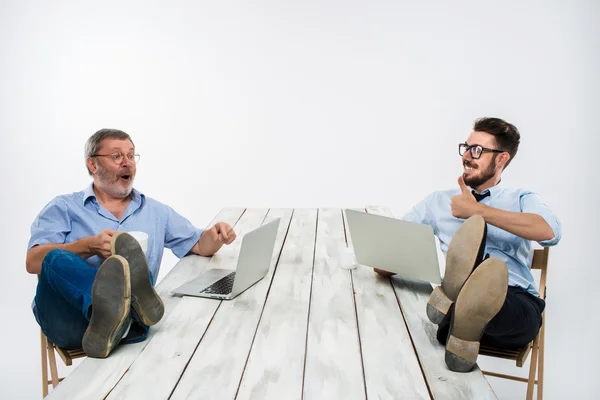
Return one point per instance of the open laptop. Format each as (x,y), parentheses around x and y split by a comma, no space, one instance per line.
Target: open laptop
(253,264)
(406,248)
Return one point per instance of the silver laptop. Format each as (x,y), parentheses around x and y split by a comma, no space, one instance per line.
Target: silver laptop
(253,264)
(394,245)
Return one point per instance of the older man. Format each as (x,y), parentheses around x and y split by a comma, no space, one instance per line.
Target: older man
(96,285)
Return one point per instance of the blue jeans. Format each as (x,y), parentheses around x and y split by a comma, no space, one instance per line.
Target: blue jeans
(63,300)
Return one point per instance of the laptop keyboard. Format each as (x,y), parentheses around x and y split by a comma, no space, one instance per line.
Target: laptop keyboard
(222,286)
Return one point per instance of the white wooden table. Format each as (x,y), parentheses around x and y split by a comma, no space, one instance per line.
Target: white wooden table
(309,329)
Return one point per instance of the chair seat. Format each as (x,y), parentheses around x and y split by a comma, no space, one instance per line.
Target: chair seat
(519,355)
(49,351)
(68,355)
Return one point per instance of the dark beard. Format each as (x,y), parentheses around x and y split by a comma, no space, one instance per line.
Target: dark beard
(483,177)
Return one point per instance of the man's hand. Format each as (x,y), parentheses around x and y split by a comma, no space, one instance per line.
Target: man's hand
(464,205)
(384,273)
(212,239)
(100,244)
(222,233)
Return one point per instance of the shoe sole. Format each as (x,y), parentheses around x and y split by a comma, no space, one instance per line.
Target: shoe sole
(465,251)
(144,300)
(111,299)
(480,299)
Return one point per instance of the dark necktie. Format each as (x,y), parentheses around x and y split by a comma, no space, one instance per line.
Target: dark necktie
(480,197)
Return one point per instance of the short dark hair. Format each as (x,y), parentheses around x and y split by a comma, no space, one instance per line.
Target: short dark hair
(507,135)
(93,143)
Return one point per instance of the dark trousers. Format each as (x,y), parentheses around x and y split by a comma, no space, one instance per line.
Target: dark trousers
(516,324)
(63,300)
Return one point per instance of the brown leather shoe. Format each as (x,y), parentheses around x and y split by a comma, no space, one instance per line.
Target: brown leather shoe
(144,299)
(480,299)
(465,253)
(111,300)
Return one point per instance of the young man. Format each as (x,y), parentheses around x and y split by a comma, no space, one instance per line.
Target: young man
(491,299)
(95,283)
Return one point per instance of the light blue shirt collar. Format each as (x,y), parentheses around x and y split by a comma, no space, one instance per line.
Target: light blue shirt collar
(494,190)
(88,193)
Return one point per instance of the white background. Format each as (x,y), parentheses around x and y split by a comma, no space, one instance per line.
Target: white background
(322,103)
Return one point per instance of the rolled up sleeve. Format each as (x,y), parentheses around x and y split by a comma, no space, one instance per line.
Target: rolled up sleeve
(52,225)
(532,203)
(180,234)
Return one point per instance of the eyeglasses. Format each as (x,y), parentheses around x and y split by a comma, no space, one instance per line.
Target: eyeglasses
(118,157)
(476,150)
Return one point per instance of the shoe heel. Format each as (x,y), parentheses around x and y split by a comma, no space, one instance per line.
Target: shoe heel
(438,306)
(461,355)
(152,311)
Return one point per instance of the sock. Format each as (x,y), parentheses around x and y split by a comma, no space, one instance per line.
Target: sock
(128,327)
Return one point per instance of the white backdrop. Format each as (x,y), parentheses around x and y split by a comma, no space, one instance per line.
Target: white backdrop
(324,103)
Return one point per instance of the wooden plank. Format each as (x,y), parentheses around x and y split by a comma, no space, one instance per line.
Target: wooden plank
(276,361)
(94,378)
(218,363)
(333,361)
(44,352)
(157,370)
(392,370)
(443,383)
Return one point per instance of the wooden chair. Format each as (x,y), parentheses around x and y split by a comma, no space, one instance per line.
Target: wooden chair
(49,362)
(540,261)
(48,350)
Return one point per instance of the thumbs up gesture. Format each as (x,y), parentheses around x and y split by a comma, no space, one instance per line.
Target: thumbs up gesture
(463,205)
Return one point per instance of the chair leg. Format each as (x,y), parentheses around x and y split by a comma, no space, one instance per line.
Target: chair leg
(52,358)
(540,386)
(44,365)
(532,368)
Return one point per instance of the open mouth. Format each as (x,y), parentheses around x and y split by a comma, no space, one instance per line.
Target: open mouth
(469,168)
(125,178)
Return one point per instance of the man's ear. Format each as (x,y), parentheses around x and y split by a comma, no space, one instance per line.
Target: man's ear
(502,160)
(91,165)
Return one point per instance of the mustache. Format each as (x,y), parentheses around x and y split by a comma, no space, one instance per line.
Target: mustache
(468,164)
(125,171)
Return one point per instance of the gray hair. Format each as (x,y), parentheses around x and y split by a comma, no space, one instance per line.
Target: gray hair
(93,143)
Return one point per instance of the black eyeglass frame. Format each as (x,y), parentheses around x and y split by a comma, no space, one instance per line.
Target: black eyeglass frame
(470,147)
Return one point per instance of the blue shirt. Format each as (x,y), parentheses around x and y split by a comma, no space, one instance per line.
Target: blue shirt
(515,251)
(70,217)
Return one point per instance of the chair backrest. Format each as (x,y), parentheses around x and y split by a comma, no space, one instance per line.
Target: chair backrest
(540,261)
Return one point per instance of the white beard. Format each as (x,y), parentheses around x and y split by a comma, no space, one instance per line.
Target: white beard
(108,184)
